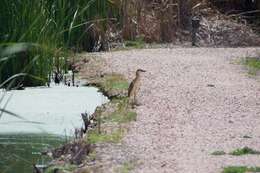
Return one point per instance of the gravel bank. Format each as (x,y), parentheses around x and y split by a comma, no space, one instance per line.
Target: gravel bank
(194,102)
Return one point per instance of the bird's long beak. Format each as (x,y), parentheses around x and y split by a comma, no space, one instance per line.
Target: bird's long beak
(142,70)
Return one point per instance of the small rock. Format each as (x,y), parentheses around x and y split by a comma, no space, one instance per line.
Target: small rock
(210,85)
(231,122)
(163,165)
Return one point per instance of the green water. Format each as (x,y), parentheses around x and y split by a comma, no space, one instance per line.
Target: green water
(19,152)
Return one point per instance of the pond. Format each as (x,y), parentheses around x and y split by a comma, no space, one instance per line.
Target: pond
(50,116)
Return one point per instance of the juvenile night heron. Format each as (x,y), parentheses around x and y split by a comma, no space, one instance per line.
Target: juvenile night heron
(135,86)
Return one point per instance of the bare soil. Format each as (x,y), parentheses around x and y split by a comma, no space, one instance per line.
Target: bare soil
(194,102)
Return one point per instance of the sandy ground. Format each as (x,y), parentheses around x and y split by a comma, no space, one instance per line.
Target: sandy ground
(182,119)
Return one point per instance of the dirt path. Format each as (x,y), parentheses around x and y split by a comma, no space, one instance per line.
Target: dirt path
(182,120)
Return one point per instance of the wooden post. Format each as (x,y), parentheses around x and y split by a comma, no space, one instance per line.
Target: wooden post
(99,122)
(73,77)
(49,79)
(195,27)
(126,23)
(73,71)
(139,8)
(184,14)
(86,120)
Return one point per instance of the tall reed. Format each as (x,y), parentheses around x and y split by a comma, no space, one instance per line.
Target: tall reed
(35,33)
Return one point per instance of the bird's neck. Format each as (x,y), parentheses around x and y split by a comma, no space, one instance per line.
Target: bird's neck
(138,76)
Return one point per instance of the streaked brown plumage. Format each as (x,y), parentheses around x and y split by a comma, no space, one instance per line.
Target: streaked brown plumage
(135,86)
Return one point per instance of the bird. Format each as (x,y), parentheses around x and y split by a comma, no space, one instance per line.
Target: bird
(135,86)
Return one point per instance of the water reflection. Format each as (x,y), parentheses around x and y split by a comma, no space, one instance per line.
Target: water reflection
(19,152)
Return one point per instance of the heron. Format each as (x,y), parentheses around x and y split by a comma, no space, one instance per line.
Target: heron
(135,86)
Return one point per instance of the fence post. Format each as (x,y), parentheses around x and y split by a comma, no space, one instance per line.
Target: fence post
(195,22)
(184,14)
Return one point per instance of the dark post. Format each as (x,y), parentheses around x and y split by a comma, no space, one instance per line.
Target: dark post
(126,23)
(49,79)
(195,26)
(73,77)
(73,68)
(86,121)
(99,123)
(184,14)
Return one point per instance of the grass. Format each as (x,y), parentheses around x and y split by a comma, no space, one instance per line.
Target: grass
(112,85)
(244,151)
(123,117)
(92,156)
(253,64)
(122,114)
(112,118)
(34,35)
(137,44)
(114,81)
(240,169)
(63,168)
(237,152)
(126,167)
(94,137)
(218,153)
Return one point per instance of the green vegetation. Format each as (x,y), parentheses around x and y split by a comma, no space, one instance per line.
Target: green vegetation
(237,152)
(240,169)
(94,137)
(114,82)
(122,114)
(63,168)
(137,44)
(253,64)
(92,156)
(126,167)
(123,117)
(34,35)
(113,85)
(218,153)
(244,151)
